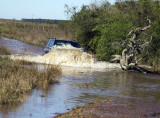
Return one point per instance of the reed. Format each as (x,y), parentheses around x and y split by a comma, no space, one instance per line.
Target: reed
(4,50)
(17,80)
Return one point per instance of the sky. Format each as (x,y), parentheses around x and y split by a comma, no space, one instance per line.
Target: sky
(44,9)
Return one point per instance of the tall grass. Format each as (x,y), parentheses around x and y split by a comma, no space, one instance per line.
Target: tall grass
(16,80)
(31,33)
(4,51)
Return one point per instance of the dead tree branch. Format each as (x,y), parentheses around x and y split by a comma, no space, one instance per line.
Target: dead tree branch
(134,47)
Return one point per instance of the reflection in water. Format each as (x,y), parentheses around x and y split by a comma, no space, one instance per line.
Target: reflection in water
(78,86)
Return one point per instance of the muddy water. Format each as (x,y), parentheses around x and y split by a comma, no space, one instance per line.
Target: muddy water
(19,48)
(78,86)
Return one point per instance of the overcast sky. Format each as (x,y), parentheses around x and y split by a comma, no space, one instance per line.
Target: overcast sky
(44,9)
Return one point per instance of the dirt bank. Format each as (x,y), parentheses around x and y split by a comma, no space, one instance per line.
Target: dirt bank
(120,108)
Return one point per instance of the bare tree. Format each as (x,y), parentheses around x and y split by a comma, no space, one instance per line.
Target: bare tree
(134,47)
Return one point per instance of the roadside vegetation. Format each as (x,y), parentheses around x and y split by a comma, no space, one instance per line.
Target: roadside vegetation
(30,32)
(102,28)
(4,51)
(18,78)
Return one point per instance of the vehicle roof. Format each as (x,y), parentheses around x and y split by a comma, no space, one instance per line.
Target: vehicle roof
(63,40)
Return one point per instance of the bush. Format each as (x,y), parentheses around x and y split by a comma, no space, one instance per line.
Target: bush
(102,29)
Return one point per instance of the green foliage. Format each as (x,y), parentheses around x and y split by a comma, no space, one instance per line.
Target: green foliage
(156,38)
(155,45)
(102,29)
(112,36)
(83,23)
(4,29)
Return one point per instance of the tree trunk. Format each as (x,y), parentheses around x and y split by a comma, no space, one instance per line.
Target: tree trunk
(128,60)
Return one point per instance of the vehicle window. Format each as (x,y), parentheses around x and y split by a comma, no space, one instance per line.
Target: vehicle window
(74,44)
(59,43)
(50,43)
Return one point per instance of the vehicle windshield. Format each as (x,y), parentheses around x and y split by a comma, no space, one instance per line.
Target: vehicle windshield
(63,42)
(50,43)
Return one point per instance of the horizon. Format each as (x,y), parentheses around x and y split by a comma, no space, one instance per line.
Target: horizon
(38,9)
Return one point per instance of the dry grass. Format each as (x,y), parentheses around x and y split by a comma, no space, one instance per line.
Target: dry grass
(4,50)
(16,80)
(31,33)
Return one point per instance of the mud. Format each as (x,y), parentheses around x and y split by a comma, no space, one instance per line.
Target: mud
(119,108)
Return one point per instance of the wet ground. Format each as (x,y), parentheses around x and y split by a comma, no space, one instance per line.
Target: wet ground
(19,48)
(117,108)
(110,93)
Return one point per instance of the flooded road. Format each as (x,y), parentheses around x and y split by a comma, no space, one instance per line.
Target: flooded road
(59,56)
(78,86)
(19,48)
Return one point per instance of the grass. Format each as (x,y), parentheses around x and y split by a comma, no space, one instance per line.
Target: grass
(31,33)
(4,51)
(16,80)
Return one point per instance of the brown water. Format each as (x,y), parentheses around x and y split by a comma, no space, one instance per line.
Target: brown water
(78,86)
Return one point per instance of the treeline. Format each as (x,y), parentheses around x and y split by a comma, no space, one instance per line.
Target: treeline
(48,21)
(103,28)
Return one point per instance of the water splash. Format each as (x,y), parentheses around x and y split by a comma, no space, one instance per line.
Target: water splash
(66,47)
(68,57)
(63,46)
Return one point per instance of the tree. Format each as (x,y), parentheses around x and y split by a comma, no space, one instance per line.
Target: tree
(113,33)
(102,29)
(134,47)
